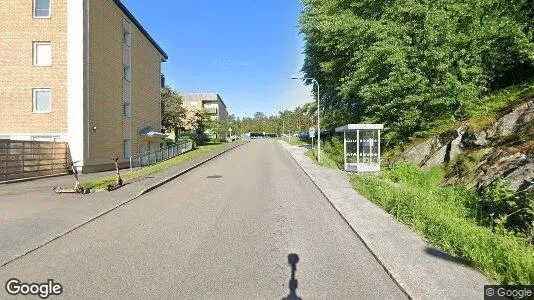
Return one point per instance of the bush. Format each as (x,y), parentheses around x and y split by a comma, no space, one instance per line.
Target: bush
(444,216)
(505,211)
(186,137)
(333,147)
(411,174)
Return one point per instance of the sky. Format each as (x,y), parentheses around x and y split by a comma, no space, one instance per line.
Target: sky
(244,50)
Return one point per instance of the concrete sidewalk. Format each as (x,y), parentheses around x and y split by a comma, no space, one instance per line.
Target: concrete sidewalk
(31,214)
(422,271)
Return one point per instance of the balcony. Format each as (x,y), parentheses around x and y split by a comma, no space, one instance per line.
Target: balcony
(211,110)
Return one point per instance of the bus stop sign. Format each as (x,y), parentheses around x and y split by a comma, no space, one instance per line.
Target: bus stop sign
(312,132)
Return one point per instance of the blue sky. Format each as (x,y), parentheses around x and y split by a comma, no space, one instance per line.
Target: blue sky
(244,50)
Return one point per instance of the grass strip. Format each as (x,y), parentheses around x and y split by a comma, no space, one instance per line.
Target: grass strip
(103,182)
(439,214)
(296,141)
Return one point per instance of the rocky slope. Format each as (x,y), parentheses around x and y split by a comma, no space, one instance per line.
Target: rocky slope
(504,149)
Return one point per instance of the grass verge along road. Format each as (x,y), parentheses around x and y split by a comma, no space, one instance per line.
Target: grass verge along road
(103,182)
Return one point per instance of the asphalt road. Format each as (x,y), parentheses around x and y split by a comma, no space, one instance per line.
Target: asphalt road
(221,231)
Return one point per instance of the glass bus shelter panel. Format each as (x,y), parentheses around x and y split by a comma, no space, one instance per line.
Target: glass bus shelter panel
(352,147)
(368,147)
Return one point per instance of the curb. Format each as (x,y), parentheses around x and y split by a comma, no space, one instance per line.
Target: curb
(146,190)
(401,288)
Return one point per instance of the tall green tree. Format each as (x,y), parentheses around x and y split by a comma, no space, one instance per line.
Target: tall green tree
(173,112)
(202,123)
(413,63)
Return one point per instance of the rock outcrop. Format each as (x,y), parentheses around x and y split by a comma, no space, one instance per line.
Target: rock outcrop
(513,161)
(515,167)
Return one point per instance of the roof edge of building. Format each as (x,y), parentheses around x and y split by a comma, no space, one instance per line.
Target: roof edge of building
(141,28)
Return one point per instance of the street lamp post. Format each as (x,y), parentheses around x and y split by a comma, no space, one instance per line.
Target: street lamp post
(318,116)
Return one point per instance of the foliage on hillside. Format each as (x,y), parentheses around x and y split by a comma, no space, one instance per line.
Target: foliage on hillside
(413,64)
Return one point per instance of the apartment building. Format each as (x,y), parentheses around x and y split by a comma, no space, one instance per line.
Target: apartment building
(81,71)
(212,103)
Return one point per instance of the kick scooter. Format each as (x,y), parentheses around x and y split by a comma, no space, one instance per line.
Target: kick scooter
(78,189)
(118,183)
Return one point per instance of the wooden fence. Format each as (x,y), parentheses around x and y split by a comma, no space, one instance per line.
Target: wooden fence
(27,159)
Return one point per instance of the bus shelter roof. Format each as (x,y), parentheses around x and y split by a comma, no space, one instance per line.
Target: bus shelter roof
(354,127)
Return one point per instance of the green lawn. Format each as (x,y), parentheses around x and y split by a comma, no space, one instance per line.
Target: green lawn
(103,182)
(327,160)
(295,141)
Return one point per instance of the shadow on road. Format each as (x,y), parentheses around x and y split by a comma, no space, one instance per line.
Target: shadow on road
(293,259)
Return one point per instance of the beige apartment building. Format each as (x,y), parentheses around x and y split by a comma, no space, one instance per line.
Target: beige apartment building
(212,103)
(81,71)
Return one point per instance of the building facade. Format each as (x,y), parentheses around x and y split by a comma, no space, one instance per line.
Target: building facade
(212,103)
(81,71)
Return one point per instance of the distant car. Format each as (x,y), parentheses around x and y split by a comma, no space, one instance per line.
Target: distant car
(327,133)
(256,135)
(304,135)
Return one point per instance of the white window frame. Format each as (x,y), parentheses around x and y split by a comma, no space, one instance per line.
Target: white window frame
(35,44)
(126,33)
(42,17)
(34,93)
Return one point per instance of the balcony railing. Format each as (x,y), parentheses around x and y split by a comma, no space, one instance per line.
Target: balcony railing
(155,156)
(211,110)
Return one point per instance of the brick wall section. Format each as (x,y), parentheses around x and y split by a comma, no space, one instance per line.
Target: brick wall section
(105,83)
(146,86)
(18,76)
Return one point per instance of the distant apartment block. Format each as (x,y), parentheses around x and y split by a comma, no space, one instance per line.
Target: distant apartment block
(81,71)
(210,102)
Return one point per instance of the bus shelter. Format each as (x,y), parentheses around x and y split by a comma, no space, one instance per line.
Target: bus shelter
(361,147)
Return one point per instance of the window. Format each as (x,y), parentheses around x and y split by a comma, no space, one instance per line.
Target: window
(41,8)
(127,39)
(41,100)
(127,148)
(127,73)
(126,33)
(127,110)
(42,54)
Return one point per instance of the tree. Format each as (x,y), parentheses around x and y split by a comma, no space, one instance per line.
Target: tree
(173,112)
(202,123)
(413,64)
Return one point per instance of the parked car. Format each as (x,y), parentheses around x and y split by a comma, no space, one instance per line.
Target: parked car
(304,135)
(327,133)
(256,135)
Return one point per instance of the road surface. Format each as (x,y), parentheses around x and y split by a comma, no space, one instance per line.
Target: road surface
(221,231)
